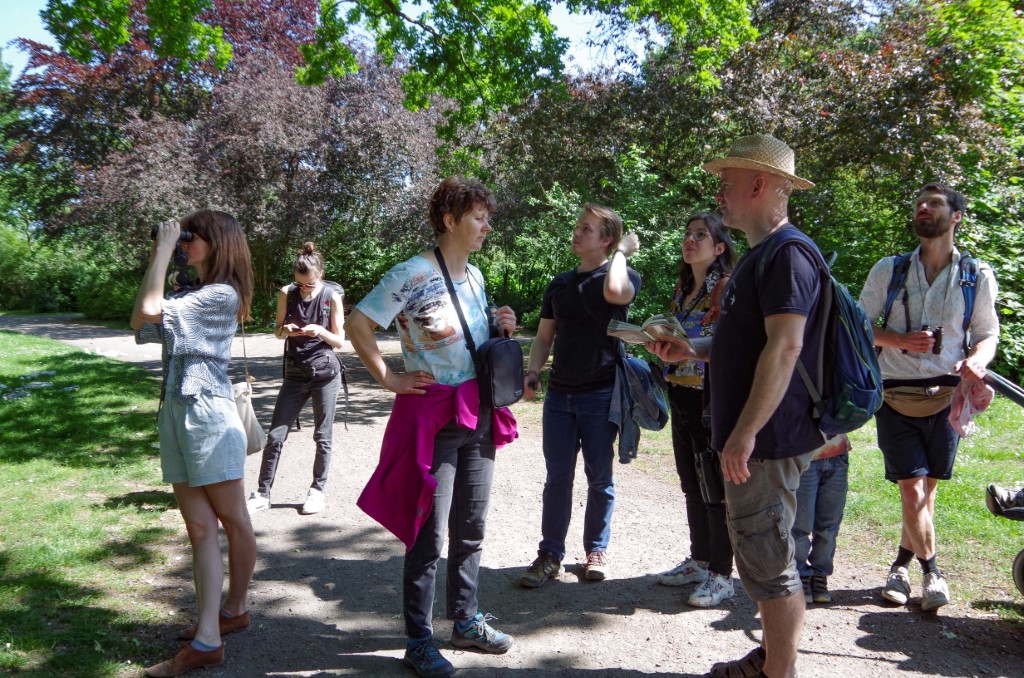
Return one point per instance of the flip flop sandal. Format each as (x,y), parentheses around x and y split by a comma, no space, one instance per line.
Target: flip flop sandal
(748,666)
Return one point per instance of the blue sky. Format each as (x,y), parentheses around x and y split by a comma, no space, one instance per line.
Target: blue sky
(21,20)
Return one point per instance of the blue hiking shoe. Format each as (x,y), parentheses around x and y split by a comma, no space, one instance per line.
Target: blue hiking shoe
(424,658)
(477,633)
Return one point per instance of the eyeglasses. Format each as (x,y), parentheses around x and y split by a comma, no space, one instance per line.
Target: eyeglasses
(696,236)
(303,285)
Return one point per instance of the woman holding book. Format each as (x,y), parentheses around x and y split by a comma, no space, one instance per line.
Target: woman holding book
(574,316)
(707,261)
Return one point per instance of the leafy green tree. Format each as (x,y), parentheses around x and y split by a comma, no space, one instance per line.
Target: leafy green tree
(484,55)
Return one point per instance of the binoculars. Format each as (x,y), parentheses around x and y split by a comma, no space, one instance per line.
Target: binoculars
(937,334)
(185,235)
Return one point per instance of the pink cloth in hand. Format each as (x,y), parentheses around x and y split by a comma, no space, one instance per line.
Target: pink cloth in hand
(969,398)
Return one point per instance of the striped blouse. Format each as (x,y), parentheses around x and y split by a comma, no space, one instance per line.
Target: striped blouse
(196,332)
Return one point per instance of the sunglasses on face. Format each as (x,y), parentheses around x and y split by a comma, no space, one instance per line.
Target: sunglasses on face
(696,236)
(303,285)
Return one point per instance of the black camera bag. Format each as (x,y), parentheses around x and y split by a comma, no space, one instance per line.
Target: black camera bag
(498,361)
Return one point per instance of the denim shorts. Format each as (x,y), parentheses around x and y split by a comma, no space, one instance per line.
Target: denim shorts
(201,443)
(760,515)
(913,447)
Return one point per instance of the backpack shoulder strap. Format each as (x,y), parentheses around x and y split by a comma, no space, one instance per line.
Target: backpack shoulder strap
(969,286)
(900,267)
(815,387)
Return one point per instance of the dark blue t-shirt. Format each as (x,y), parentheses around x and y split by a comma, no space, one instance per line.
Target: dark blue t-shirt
(791,283)
(584,355)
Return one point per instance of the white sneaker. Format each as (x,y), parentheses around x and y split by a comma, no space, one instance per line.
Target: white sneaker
(314,502)
(935,591)
(257,502)
(689,571)
(712,591)
(897,586)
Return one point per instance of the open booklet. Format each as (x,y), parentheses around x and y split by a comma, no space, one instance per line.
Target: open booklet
(659,327)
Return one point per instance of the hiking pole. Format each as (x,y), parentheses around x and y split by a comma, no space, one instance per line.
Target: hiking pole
(1005,387)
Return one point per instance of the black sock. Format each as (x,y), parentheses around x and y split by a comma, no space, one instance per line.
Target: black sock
(928,565)
(903,557)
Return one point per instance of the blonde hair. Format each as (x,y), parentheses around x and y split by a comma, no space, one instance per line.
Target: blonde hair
(611,223)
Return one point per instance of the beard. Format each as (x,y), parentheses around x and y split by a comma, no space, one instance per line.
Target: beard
(933,228)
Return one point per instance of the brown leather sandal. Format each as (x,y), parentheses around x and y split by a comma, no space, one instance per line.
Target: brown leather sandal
(747,666)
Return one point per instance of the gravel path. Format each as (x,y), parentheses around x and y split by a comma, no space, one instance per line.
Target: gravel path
(326,594)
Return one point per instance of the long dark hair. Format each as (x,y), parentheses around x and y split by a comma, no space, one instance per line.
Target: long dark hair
(723,263)
(229,261)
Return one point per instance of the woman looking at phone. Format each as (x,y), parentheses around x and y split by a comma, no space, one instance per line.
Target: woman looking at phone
(310,319)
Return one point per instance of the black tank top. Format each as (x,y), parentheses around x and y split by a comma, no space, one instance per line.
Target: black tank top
(315,311)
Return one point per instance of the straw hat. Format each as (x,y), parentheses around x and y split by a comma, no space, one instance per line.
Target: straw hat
(760,152)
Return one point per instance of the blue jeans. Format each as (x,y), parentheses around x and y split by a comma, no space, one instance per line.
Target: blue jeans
(296,389)
(820,501)
(463,467)
(575,421)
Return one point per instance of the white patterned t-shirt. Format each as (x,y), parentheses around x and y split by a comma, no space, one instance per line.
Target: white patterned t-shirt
(414,295)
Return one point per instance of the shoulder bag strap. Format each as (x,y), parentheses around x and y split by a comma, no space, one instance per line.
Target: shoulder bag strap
(245,360)
(458,307)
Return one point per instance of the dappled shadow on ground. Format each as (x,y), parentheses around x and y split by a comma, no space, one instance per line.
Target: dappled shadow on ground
(969,646)
(356,627)
(56,627)
(148,500)
(102,397)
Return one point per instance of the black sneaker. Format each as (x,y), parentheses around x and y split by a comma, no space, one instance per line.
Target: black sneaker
(543,568)
(819,589)
(808,596)
(425,659)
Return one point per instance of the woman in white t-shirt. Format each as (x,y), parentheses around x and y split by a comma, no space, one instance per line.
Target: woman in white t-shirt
(437,361)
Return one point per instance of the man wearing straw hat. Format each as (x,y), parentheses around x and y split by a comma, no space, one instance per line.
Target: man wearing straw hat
(760,414)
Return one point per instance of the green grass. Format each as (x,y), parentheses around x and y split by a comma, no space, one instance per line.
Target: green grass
(976,549)
(84,521)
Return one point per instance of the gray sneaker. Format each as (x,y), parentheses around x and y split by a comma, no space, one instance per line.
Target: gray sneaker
(481,635)
(808,596)
(819,589)
(543,568)
(897,586)
(935,592)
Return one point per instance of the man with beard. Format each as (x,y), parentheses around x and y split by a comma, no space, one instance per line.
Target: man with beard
(924,357)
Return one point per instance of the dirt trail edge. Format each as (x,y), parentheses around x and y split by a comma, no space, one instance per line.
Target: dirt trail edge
(326,597)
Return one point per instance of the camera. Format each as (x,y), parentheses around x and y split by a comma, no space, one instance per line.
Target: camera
(937,335)
(185,236)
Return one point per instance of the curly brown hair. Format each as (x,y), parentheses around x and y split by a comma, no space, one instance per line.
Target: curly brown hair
(455,196)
